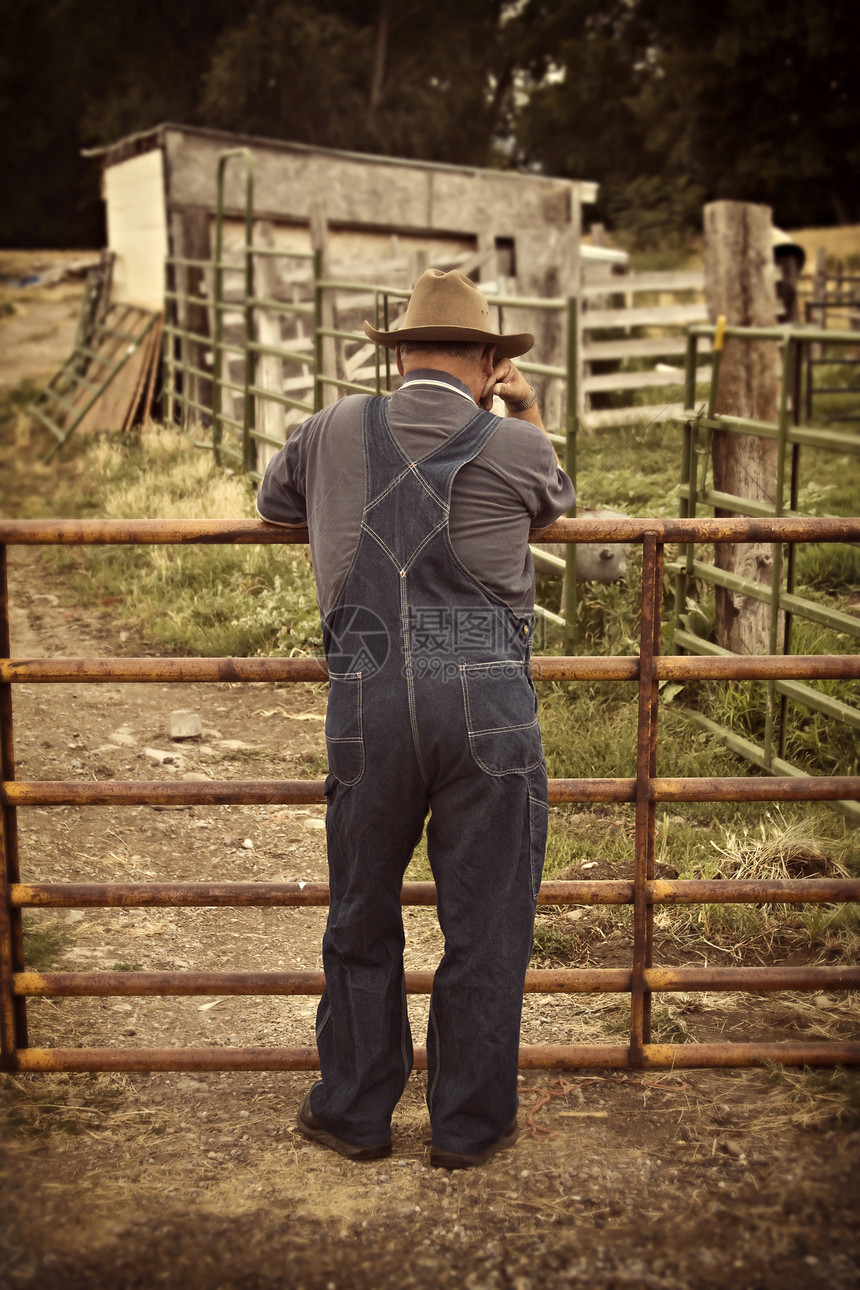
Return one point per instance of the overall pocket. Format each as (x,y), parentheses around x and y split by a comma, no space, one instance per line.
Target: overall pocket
(343,730)
(538,825)
(504,734)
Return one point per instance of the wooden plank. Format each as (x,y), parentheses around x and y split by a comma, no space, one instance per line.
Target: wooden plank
(646,316)
(110,349)
(269,417)
(153,368)
(137,228)
(640,347)
(147,346)
(110,410)
(642,380)
(363,355)
(631,416)
(329,350)
(682,280)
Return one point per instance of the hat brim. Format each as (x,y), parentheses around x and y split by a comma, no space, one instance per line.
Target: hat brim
(506,346)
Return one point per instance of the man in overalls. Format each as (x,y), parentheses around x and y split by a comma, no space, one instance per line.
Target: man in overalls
(419,508)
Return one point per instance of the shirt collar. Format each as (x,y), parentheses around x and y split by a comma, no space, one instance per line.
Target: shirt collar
(430,376)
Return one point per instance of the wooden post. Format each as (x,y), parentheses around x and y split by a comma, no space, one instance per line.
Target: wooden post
(328,348)
(788,275)
(739,284)
(417,262)
(192,241)
(269,369)
(547,259)
(819,288)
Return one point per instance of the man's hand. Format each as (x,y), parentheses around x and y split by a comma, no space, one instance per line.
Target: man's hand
(507,383)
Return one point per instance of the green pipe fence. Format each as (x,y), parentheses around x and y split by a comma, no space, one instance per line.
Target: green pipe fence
(234,434)
(779,595)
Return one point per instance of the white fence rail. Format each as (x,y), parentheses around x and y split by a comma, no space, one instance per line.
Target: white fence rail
(632,327)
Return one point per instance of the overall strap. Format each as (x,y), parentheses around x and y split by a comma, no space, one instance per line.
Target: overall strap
(386,461)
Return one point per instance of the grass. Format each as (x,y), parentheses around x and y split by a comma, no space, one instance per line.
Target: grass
(44,943)
(260,600)
(777,847)
(209,600)
(552,943)
(72,1104)
(819,1100)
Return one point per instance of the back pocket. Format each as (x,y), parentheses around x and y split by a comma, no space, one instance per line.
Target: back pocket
(504,734)
(343,731)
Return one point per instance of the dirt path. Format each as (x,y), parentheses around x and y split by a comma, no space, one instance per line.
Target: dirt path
(37,323)
(199,1181)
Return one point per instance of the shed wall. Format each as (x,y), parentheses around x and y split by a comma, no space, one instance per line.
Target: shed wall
(137,228)
(365,191)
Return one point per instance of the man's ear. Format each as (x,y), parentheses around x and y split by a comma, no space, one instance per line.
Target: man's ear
(398,360)
(488,360)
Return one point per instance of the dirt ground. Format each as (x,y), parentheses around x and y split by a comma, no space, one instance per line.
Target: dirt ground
(37,322)
(677,1181)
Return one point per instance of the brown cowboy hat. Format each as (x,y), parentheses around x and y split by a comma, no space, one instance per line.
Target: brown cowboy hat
(449,307)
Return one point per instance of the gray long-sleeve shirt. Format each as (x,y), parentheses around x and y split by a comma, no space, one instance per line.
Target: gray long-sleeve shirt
(514,484)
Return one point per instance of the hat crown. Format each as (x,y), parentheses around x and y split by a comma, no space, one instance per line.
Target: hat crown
(449,307)
(442,299)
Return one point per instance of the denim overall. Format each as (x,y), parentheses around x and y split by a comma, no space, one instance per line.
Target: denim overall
(431,708)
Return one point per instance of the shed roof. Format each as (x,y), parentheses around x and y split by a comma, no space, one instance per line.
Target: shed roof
(146,140)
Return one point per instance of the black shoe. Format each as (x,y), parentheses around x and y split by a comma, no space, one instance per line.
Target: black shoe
(310,1126)
(466,1160)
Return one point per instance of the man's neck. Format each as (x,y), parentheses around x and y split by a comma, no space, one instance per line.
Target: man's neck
(440,378)
(443,366)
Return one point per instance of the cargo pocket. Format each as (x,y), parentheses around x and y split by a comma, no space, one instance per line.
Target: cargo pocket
(343,731)
(504,734)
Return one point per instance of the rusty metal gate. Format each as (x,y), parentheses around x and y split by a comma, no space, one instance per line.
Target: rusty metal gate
(641,979)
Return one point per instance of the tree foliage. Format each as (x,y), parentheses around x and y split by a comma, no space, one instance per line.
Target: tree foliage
(383,78)
(747,99)
(664,102)
(762,100)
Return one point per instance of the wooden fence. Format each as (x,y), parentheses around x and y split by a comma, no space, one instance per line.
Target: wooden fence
(632,338)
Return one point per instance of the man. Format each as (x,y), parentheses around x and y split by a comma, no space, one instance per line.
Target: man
(419,509)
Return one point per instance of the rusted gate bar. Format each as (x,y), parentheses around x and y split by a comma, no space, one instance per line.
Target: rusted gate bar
(13,1014)
(532,1057)
(303,792)
(538,981)
(172,532)
(645,790)
(679,891)
(646,768)
(694,667)
(579,891)
(96,984)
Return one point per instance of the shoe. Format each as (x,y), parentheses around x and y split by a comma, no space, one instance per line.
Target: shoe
(310,1126)
(469,1160)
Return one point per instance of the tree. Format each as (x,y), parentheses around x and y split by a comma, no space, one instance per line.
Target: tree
(760,101)
(746,99)
(74,74)
(664,102)
(49,197)
(582,70)
(386,78)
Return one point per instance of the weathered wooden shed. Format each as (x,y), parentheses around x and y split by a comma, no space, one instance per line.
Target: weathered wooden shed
(369,219)
(160,193)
